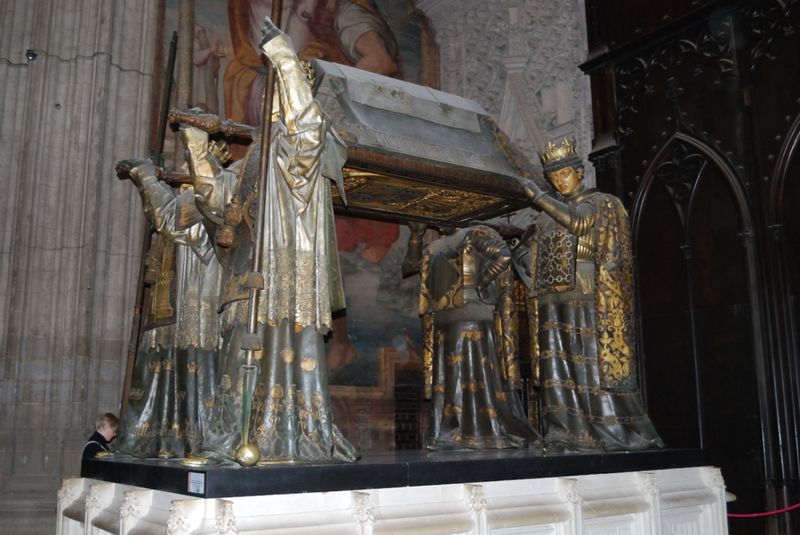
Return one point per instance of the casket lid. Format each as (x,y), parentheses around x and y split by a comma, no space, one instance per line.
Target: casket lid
(415,153)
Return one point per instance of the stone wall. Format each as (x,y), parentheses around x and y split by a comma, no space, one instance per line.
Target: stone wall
(71,234)
(519,59)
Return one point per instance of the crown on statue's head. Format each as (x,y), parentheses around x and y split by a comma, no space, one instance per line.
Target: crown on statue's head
(556,156)
(553,152)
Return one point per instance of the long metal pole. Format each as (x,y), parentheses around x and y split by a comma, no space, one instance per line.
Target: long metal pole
(158,158)
(247,454)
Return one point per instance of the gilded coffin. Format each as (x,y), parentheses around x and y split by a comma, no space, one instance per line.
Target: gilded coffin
(415,153)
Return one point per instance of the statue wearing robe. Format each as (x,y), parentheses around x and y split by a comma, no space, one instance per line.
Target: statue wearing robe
(576,261)
(470,351)
(174,378)
(291,417)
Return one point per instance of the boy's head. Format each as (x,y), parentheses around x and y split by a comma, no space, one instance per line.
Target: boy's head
(107,425)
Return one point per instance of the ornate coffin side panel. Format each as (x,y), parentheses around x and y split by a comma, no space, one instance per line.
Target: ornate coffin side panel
(415,152)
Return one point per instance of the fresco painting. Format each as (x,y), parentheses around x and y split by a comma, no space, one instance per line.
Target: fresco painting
(228,79)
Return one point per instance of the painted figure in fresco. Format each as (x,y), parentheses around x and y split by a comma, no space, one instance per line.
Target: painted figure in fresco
(291,417)
(205,77)
(245,76)
(470,339)
(576,260)
(174,378)
(365,38)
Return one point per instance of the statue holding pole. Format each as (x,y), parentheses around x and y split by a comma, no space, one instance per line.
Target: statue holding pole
(275,238)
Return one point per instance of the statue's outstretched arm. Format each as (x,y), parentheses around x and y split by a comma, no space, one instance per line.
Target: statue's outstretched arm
(577,218)
(305,124)
(160,207)
(212,183)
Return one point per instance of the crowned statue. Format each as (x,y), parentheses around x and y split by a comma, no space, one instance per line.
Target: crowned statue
(576,261)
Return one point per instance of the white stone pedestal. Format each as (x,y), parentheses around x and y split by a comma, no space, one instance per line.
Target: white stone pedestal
(688,501)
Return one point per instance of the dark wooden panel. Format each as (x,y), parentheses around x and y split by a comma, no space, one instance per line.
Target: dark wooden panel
(725,339)
(789,219)
(615,23)
(665,347)
(716,226)
(697,122)
(661,267)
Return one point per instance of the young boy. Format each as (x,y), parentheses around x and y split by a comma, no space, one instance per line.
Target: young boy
(106,426)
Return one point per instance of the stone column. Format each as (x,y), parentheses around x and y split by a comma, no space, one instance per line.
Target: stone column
(71,232)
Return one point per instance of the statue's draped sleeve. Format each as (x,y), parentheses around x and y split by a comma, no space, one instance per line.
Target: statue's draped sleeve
(614,296)
(160,204)
(213,185)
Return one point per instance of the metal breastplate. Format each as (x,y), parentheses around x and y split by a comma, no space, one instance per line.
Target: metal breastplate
(555,261)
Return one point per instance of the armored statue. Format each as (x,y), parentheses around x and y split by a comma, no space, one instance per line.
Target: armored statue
(470,339)
(576,261)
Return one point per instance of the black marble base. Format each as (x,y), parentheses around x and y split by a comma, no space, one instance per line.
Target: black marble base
(395,469)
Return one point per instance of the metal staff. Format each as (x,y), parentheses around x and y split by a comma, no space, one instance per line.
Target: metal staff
(157,156)
(248,454)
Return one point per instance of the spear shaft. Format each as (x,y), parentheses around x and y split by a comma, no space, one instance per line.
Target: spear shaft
(247,454)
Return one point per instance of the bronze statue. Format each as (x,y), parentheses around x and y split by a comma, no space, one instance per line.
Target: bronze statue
(576,260)
(291,417)
(470,339)
(173,382)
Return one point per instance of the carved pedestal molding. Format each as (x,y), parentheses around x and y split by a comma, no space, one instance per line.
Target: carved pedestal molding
(648,486)
(70,504)
(130,507)
(686,500)
(178,523)
(476,503)
(226,520)
(363,512)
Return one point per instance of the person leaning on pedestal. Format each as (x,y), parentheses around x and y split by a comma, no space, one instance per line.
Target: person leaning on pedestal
(105,431)
(576,261)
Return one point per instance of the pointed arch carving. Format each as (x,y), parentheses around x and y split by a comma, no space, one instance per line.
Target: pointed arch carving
(788,152)
(682,166)
(782,264)
(678,185)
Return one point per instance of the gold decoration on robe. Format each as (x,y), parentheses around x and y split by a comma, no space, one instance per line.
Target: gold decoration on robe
(614,297)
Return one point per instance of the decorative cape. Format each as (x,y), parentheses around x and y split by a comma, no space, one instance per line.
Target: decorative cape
(612,288)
